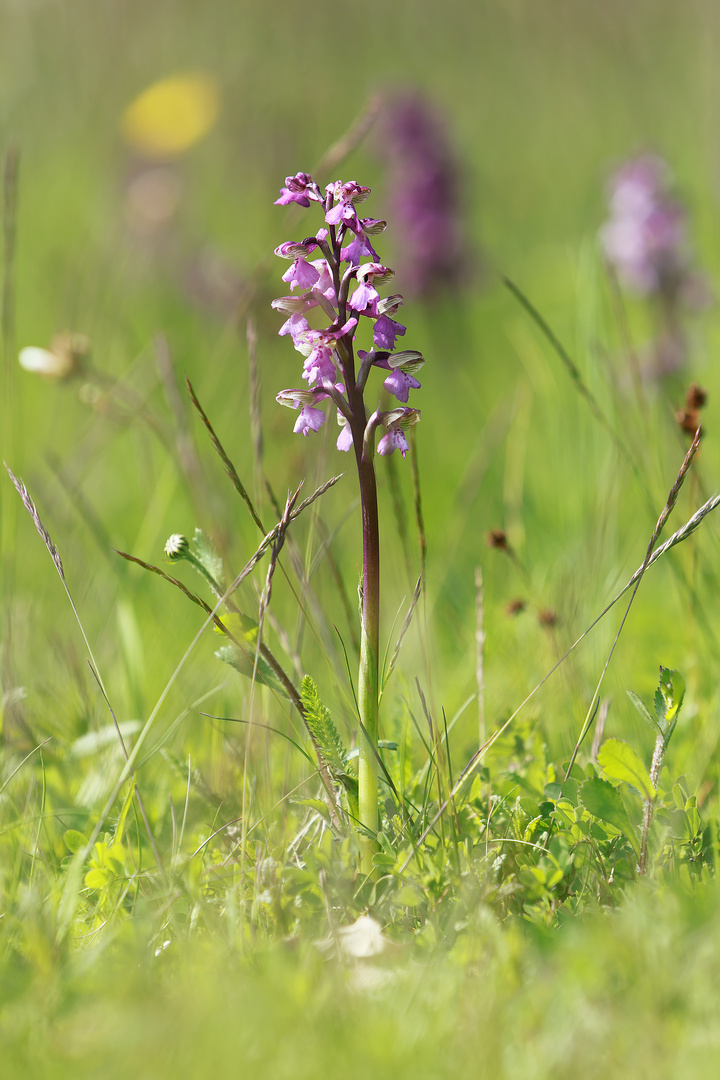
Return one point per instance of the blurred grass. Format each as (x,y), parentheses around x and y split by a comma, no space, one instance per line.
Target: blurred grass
(543,101)
(633,991)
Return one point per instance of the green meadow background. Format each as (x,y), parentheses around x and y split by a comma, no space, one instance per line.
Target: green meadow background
(542,101)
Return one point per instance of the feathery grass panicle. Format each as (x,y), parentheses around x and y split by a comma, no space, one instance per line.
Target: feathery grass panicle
(92,663)
(661,521)
(481,852)
(32,511)
(277,546)
(677,538)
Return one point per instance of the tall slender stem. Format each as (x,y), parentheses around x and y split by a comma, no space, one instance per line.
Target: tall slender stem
(329,353)
(369,649)
(369,616)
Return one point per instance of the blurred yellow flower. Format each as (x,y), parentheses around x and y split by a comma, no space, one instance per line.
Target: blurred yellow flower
(171,115)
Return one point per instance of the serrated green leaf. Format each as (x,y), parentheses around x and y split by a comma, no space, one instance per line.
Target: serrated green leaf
(320,725)
(208,557)
(644,712)
(668,700)
(601,800)
(244,663)
(620,762)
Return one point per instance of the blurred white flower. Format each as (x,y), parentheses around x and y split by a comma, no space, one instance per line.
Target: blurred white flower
(362,938)
(64,357)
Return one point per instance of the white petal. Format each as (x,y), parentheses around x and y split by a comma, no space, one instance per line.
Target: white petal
(363,938)
(43,362)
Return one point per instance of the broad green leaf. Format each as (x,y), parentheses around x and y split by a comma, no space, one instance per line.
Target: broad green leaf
(569,791)
(114,857)
(601,799)
(620,762)
(74,840)
(244,661)
(384,862)
(98,878)
(314,804)
(210,563)
(645,713)
(242,627)
(679,796)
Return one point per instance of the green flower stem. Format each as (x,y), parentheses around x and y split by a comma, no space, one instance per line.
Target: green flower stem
(363,434)
(364,446)
(368,675)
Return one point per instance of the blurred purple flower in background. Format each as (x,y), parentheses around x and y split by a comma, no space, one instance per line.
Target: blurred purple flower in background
(424,197)
(645,242)
(645,237)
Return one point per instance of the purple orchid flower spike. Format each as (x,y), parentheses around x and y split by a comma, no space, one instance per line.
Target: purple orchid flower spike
(343,284)
(645,242)
(424,197)
(645,237)
(300,189)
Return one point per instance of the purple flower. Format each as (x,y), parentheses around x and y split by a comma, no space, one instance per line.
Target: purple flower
(295,326)
(343,285)
(645,237)
(400,384)
(359,247)
(386,331)
(344,212)
(364,299)
(423,188)
(394,440)
(325,284)
(320,365)
(344,439)
(309,419)
(301,273)
(295,305)
(397,422)
(291,249)
(300,189)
